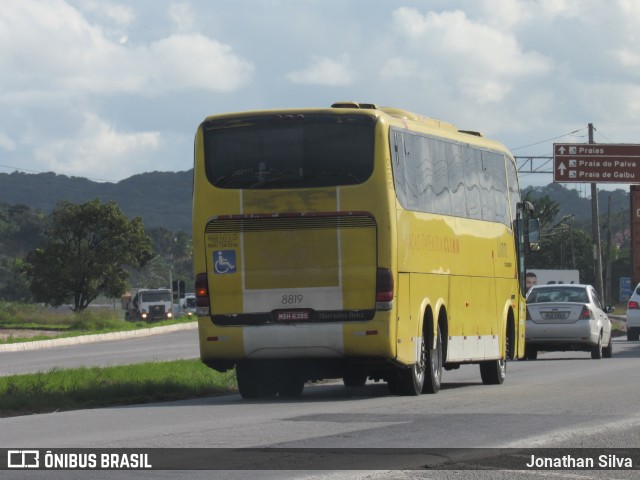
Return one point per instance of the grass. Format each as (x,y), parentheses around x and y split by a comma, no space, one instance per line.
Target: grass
(67,323)
(82,388)
(618,327)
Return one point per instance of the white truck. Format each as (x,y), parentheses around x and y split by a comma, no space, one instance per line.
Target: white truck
(148,304)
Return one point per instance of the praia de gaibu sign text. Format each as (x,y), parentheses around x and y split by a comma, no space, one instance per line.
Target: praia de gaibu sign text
(596,163)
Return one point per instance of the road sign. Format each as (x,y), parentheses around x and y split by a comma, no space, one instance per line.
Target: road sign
(626,289)
(596,163)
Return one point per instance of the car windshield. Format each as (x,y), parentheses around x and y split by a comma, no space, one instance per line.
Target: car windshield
(304,151)
(558,294)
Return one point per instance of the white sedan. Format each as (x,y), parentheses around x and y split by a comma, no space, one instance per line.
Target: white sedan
(565,317)
(633,315)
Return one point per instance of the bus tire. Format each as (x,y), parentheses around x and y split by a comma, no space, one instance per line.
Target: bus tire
(290,387)
(433,377)
(255,381)
(411,380)
(530,353)
(354,379)
(493,372)
(393,383)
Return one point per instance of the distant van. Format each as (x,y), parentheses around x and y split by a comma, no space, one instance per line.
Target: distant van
(188,304)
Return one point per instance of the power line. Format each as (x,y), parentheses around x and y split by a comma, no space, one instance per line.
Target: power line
(20,169)
(548,140)
(602,135)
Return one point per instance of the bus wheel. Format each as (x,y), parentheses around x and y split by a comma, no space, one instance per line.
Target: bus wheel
(411,380)
(354,379)
(290,387)
(493,372)
(433,380)
(530,353)
(255,381)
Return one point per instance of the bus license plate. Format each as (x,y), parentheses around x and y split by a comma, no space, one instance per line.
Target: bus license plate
(293,315)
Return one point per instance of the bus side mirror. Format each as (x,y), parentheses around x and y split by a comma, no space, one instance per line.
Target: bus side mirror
(534,234)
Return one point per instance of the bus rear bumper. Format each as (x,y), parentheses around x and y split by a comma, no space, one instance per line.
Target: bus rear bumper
(338,340)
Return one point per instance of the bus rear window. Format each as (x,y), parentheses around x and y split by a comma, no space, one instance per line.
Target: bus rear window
(270,152)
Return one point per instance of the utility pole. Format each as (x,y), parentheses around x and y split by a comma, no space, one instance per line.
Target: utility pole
(595,223)
(607,268)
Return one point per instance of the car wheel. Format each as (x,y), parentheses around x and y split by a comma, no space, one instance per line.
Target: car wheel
(596,350)
(607,352)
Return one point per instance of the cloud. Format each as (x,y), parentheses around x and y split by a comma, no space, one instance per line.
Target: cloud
(6,142)
(61,50)
(481,59)
(190,61)
(121,15)
(182,17)
(324,71)
(628,58)
(98,150)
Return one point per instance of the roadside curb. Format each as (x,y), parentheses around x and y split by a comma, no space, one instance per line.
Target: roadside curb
(100,337)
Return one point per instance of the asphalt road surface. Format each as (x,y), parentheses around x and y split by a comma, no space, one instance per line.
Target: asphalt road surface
(163,347)
(561,400)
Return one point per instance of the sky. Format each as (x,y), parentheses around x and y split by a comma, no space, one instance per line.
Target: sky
(106,90)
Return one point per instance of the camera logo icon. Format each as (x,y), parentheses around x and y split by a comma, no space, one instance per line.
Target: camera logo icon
(23,459)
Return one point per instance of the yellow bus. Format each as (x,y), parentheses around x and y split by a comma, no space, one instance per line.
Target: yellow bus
(355,242)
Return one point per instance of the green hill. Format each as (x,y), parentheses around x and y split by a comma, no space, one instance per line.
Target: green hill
(162,199)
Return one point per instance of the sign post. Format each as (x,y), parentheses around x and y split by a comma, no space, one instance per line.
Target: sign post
(596,163)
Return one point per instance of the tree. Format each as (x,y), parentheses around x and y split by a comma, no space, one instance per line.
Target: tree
(562,246)
(546,209)
(174,252)
(84,254)
(21,230)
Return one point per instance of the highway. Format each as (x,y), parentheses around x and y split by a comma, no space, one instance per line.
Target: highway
(182,343)
(560,400)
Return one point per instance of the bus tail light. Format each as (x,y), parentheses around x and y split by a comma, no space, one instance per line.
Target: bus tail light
(384,289)
(202,295)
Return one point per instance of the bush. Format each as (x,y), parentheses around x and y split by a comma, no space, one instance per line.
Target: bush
(92,320)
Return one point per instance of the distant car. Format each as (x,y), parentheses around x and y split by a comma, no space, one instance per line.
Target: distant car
(633,315)
(565,317)
(188,304)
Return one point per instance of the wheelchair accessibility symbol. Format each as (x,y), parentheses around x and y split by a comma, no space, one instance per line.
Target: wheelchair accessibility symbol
(224,261)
